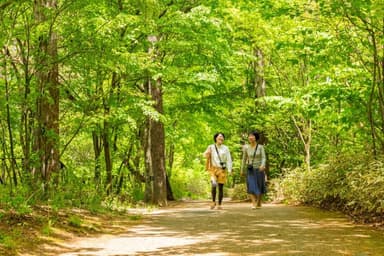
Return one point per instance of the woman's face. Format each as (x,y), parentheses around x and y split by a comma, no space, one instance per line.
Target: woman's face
(220,139)
(251,138)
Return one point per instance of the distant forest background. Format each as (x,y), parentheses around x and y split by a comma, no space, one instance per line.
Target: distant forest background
(113,101)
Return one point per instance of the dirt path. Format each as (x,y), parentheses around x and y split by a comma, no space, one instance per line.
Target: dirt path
(192,229)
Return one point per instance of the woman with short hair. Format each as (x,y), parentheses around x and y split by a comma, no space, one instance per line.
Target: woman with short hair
(218,164)
(253,163)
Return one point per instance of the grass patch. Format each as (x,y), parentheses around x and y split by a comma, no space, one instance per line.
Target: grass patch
(75,221)
(8,242)
(45,226)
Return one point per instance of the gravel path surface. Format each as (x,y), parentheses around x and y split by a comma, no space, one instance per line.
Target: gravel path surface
(191,228)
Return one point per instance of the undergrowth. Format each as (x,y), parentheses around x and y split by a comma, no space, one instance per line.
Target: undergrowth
(354,185)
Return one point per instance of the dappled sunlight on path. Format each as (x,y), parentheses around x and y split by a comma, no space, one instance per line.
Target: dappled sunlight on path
(190,228)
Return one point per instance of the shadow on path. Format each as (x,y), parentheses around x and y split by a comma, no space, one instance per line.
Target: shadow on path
(192,229)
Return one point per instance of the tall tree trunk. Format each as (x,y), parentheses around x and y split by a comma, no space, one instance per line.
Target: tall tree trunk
(157,135)
(155,138)
(47,116)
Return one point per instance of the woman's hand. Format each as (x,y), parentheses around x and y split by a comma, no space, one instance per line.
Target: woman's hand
(262,168)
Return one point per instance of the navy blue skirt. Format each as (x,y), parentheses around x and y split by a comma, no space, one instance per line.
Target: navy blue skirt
(256,182)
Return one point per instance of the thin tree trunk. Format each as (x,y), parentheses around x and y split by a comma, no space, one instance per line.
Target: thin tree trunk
(170,157)
(133,169)
(371,119)
(306,138)
(258,69)
(170,196)
(120,182)
(148,162)
(12,158)
(146,142)
(376,79)
(27,120)
(107,156)
(97,147)
(4,165)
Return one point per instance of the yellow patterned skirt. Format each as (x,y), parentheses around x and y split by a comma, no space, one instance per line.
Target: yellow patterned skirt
(218,174)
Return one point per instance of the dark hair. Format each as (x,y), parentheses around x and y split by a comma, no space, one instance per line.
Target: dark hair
(256,134)
(217,134)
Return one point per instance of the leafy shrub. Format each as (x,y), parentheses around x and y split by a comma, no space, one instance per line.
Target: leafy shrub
(313,186)
(366,188)
(190,183)
(355,185)
(274,191)
(239,192)
(16,201)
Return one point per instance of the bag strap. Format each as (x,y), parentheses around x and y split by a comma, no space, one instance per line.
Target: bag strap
(254,153)
(218,155)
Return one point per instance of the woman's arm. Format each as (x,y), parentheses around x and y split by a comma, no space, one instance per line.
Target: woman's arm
(207,155)
(207,152)
(263,158)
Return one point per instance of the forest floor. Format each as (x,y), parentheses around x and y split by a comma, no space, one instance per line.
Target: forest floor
(191,228)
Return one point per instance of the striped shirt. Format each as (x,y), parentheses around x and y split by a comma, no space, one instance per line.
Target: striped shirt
(248,152)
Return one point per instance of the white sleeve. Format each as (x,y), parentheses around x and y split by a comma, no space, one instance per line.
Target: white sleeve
(207,151)
(263,158)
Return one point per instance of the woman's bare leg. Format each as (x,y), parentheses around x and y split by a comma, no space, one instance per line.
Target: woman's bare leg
(253,200)
(259,200)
